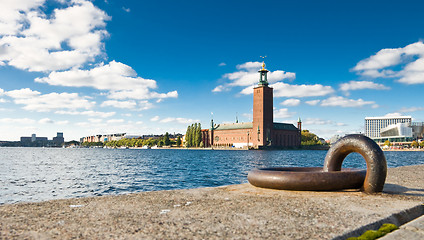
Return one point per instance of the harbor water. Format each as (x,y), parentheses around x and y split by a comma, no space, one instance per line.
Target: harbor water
(38,174)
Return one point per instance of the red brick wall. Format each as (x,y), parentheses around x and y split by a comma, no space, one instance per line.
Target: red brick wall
(285,138)
(226,138)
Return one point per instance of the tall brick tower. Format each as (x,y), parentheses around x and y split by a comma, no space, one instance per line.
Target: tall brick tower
(262,111)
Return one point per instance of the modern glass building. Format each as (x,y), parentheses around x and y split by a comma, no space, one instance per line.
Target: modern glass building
(373,125)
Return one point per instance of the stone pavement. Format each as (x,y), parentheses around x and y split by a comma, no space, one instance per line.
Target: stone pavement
(228,212)
(413,230)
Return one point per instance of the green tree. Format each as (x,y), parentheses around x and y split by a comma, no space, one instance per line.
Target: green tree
(166,139)
(188,137)
(161,142)
(193,135)
(422,144)
(198,135)
(178,141)
(414,144)
(309,139)
(139,143)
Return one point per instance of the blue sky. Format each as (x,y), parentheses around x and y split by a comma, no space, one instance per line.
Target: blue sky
(94,67)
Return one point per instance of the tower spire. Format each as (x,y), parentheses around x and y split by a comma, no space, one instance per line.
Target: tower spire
(263,79)
(299,125)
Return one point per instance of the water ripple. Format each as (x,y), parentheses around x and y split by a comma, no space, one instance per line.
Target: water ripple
(37,174)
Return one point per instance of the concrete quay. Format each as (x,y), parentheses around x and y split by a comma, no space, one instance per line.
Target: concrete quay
(228,212)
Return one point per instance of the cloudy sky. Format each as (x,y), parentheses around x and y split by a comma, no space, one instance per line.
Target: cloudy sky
(106,66)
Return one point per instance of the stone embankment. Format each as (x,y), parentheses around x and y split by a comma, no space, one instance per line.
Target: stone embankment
(228,212)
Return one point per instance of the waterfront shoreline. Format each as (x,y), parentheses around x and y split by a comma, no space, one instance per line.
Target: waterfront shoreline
(404,150)
(233,211)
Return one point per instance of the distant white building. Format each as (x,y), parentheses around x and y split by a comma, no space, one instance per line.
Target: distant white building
(373,125)
(417,130)
(398,130)
(394,129)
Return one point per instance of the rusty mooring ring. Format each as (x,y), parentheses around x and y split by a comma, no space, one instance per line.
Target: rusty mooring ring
(370,151)
(331,177)
(306,178)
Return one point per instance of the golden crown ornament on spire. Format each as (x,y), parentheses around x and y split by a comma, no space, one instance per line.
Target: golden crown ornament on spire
(263,79)
(263,62)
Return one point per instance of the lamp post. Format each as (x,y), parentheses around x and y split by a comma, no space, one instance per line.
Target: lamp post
(259,132)
(248,133)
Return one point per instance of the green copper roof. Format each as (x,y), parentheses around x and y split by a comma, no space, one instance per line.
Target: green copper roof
(232,126)
(285,126)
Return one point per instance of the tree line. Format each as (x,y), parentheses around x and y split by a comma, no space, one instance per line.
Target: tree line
(309,139)
(414,144)
(136,142)
(193,137)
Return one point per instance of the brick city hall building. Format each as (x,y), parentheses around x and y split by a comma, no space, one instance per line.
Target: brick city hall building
(262,133)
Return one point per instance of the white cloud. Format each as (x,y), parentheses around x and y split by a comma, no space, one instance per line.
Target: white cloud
(283,113)
(63,44)
(45,121)
(154,119)
(248,76)
(411,109)
(318,121)
(22,93)
(12,14)
(82,124)
(178,120)
(286,90)
(87,113)
(95,120)
(35,101)
(413,73)
(313,102)
(222,64)
(144,105)
(344,102)
(34,41)
(384,58)
(2,100)
(291,102)
(119,104)
(116,121)
(120,79)
(219,88)
(65,122)
(395,114)
(17,120)
(250,66)
(409,58)
(126,9)
(247,115)
(357,85)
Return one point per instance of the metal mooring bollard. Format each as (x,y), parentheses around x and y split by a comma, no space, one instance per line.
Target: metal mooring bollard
(331,176)
(370,151)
